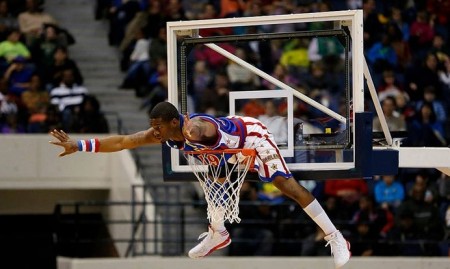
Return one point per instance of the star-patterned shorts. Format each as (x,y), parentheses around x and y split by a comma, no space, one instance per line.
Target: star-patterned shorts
(269,161)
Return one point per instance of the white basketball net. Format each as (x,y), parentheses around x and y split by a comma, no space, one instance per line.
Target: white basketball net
(221,196)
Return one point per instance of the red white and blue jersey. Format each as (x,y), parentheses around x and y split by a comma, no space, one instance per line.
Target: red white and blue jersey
(242,132)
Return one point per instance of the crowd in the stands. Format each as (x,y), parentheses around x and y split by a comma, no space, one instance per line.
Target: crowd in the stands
(406,48)
(41,86)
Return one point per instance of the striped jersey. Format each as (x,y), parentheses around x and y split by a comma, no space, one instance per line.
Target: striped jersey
(231,134)
(241,132)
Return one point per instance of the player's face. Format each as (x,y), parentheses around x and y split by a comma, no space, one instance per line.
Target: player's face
(161,129)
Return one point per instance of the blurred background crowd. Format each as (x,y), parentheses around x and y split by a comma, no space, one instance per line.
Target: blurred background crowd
(406,47)
(41,87)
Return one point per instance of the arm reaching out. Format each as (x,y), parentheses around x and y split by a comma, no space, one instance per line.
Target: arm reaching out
(108,144)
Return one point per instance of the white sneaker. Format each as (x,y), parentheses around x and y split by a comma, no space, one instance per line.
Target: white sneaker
(340,248)
(212,241)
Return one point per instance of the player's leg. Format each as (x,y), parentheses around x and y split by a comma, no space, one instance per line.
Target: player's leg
(273,167)
(340,248)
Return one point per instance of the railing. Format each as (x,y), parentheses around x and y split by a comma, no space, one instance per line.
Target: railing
(163,228)
(142,214)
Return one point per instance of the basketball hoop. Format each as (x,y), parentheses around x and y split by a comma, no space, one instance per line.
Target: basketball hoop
(221,174)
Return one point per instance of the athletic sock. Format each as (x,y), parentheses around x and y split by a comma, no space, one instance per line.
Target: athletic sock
(217,219)
(320,217)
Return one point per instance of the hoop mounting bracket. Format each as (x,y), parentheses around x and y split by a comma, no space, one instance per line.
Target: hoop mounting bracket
(187,32)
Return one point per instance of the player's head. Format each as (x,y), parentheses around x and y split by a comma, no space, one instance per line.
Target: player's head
(164,111)
(165,121)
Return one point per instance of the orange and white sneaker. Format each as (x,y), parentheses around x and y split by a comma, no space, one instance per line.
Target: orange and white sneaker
(340,248)
(212,241)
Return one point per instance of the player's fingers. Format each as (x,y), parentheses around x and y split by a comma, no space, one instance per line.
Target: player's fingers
(62,138)
(66,136)
(187,129)
(55,131)
(57,135)
(55,143)
(186,118)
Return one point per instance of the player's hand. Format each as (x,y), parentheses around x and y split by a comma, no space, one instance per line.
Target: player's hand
(191,129)
(187,126)
(63,140)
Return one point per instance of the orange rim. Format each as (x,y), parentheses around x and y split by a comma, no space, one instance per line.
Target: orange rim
(245,152)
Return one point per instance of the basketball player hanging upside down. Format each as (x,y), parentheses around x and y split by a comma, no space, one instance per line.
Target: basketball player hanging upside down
(200,131)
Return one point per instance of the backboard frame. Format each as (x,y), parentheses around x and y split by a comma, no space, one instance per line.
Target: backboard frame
(353,19)
(393,155)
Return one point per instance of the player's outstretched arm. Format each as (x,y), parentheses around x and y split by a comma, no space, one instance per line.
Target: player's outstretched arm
(108,144)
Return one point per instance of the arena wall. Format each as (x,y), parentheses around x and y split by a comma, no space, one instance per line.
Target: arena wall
(33,179)
(30,168)
(252,263)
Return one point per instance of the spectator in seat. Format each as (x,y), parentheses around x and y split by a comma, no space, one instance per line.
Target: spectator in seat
(393,120)
(405,108)
(18,76)
(397,19)
(32,20)
(421,33)
(11,48)
(10,112)
(211,12)
(440,48)
(158,47)
(253,108)
(90,119)
(389,86)
(157,86)
(36,100)
(61,62)
(405,234)
(380,219)
(232,8)
(174,10)
(216,97)
(322,87)
(429,96)
(7,20)
(120,13)
(240,77)
(150,21)
(202,80)
(139,70)
(381,55)
(43,48)
(424,130)
(425,217)
(419,76)
(372,24)
(281,73)
(389,193)
(327,50)
(347,191)
(69,97)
